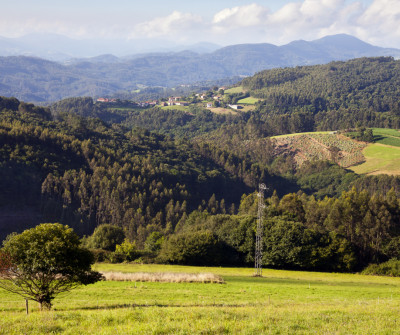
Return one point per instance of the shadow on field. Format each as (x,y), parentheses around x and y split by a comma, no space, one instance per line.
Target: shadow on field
(125,306)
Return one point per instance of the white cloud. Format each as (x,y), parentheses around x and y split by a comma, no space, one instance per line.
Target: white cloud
(176,22)
(244,16)
(377,23)
(380,22)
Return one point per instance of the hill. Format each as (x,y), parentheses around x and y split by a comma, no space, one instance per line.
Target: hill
(320,146)
(375,158)
(36,80)
(83,172)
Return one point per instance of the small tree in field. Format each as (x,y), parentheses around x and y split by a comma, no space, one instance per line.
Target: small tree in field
(44,261)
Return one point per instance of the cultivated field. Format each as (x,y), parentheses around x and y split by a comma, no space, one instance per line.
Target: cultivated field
(320,146)
(282,302)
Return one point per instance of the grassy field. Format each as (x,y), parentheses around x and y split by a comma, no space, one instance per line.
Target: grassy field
(380,159)
(248,101)
(282,302)
(176,107)
(387,136)
(222,111)
(238,89)
(306,133)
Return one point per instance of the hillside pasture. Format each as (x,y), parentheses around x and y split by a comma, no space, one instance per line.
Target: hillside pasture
(306,133)
(222,111)
(237,89)
(281,302)
(248,101)
(176,107)
(380,159)
(387,136)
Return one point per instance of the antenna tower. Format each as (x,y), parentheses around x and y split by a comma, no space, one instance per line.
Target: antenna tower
(259,233)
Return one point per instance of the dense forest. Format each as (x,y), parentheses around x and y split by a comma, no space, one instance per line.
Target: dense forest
(181,185)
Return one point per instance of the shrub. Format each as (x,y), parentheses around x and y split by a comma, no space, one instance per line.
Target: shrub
(100,255)
(126,251)
(390,268)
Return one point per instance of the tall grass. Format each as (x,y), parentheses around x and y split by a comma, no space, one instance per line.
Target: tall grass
(164,277)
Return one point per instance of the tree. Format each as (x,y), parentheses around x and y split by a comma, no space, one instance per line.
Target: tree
(106,236)
(192,248)
(44,261)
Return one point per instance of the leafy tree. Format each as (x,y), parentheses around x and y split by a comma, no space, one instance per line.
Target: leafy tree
(44,261)
(107,237)
(195,248)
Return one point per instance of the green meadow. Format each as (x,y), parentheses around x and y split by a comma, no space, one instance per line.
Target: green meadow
(306,133)
(281,302)
(379,159)
(176,107)
(387,136)
(248,101)
(237,89)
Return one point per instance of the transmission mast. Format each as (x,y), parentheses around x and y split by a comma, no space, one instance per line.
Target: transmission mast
(259,233)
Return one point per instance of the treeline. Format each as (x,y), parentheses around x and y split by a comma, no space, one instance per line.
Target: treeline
(300,232)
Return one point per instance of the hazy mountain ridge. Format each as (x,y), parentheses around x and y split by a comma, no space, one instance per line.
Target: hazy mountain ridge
(37,80)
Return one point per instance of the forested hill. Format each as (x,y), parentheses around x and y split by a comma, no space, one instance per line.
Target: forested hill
(338,95)
(38,80)
(83,172)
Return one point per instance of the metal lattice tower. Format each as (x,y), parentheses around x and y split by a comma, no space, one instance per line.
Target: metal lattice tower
(259,233)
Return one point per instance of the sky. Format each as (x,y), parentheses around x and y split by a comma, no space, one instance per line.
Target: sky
(218,21)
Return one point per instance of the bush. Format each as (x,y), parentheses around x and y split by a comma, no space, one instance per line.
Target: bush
(100,255)
(126,251)
(193,248)
(390,268)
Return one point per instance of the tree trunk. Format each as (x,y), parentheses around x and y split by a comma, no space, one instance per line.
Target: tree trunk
(44,305)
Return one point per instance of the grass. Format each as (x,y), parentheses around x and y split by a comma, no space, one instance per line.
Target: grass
(387,136)
(282,302)
(176,107)
(248,101)
(380,159)
(306,133)
(164,277)
(222,111)
(238,89)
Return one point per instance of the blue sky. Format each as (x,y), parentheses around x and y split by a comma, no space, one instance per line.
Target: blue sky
(219,21)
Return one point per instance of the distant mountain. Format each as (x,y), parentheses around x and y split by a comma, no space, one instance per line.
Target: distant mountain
(61,48)
(37,80)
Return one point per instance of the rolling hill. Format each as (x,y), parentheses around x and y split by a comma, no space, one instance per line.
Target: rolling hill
(380,157)
(36,80)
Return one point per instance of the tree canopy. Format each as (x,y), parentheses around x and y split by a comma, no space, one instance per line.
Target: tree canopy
(44,261)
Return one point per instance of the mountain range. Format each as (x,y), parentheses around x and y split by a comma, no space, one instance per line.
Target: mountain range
(39,80)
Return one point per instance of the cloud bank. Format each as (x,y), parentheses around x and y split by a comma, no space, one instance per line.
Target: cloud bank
(377,23)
